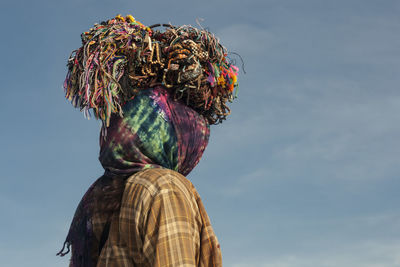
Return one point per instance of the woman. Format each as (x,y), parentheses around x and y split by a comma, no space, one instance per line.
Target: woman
(156,93)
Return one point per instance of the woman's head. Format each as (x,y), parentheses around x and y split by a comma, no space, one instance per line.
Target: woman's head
(155,131)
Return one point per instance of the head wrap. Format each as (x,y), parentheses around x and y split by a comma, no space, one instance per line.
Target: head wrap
(156,131)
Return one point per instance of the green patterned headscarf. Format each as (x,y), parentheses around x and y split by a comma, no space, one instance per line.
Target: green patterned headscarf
(156,131)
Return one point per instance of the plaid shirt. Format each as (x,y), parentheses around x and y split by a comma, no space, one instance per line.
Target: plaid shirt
(162,222)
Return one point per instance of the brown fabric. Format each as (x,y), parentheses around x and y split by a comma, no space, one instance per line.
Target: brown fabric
(162,222)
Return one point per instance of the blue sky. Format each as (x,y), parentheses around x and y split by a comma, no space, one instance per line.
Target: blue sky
(304,173)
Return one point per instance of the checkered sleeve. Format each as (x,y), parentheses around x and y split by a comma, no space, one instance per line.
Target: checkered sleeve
(164,223)
(171,232)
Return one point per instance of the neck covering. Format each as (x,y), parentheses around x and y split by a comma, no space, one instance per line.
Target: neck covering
(155,132)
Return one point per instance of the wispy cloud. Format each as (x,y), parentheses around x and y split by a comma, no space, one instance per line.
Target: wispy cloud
(332,248)
(340,125)
(370,254)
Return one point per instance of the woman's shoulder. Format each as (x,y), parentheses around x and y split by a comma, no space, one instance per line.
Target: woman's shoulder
(156,180)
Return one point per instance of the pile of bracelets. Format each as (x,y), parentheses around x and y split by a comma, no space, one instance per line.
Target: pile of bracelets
(121,56)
